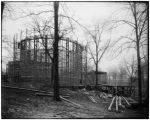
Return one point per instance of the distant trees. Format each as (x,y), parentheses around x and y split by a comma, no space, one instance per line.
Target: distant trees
(122,75)
(113,74)
(131,68)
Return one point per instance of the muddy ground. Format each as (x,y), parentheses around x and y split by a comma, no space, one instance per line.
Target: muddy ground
(19,105)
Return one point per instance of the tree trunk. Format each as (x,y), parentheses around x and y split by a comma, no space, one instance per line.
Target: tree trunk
(52,73)
(131,80)
(138,57)
(96,77)
(147,98)
(139,76)
(56,77)
(147,87)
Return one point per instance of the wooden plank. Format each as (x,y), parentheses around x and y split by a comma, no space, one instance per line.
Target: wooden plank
(126,100)
(117,103)
(50,95)
(70,101)
(109,108)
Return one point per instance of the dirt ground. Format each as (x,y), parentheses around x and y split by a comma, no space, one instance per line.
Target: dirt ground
(18,105)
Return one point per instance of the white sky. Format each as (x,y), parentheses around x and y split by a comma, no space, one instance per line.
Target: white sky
(87,13)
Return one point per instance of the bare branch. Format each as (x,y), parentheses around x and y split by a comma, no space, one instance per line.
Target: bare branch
(32,14)
(142,27)
(77,23)
(128,38)
(125,21)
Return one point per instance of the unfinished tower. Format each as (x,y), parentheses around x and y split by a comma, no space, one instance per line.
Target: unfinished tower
(33,61)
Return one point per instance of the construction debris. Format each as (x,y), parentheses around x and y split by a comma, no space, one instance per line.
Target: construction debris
(92,99)
(118,102)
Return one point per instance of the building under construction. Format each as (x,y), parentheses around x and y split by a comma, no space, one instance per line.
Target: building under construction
(32,64)
(32,61)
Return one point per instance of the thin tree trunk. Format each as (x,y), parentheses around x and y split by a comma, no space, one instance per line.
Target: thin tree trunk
(96,77)
(52,73)
(56,77)
(131,80)
(147,87)
(96,66)
(139,75)
(138,58)
(2,9)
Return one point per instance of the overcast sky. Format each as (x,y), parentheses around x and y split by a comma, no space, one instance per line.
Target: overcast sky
(87,13)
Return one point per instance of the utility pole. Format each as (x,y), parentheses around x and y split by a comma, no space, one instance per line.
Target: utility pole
(55,53)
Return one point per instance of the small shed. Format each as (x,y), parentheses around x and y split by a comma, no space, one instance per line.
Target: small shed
(91,77)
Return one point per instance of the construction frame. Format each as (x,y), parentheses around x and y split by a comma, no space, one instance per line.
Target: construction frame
(32,60)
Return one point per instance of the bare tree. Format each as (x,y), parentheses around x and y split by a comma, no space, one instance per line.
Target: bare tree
(139,29)
(100,49)
(138,37)
(54,59)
